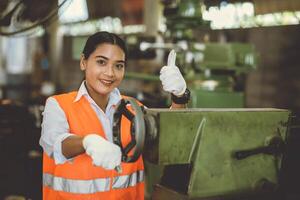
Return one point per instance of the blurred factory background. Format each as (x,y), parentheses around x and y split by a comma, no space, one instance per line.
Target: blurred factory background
(233,54)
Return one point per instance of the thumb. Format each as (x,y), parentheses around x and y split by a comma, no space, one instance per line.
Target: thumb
(172,58)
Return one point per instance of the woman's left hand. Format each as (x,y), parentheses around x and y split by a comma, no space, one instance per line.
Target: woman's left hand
(171,77)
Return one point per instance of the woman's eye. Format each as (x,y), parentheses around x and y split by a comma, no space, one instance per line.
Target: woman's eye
(101,62)
(119,66)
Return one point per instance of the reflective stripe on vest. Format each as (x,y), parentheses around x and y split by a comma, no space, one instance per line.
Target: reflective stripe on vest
(92,186)
(76,186)
(129,180)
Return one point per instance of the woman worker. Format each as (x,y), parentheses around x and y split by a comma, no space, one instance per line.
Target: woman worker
(79,155)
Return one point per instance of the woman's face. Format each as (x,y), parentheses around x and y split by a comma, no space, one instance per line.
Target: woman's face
(104,69)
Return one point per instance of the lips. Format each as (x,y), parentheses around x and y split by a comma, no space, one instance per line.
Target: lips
(106,82)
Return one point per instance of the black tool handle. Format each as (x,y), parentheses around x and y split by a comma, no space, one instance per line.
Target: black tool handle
(275,147)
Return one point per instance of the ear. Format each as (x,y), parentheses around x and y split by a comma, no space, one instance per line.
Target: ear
(82,63)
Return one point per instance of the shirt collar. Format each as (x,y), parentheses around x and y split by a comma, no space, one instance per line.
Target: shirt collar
(114,96)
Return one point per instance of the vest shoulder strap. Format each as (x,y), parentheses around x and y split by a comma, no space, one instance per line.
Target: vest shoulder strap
(128,97)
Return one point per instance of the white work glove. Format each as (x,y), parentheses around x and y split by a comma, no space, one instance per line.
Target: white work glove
(102,152)
(171,78)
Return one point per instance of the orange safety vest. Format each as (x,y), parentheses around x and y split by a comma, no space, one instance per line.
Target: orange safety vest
(80,179)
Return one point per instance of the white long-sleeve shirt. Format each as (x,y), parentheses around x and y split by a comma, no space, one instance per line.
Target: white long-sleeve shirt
(55,127)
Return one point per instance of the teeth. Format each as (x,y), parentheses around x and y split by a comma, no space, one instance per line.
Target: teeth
(106,82)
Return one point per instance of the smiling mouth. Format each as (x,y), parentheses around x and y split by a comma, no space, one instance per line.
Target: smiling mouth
(106,82)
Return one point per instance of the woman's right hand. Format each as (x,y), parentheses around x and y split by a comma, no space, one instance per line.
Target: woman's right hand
(102,152)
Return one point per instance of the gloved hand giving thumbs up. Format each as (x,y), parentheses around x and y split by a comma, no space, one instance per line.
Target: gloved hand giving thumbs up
(171,78)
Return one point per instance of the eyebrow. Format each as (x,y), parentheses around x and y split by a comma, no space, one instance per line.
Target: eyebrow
(105,58)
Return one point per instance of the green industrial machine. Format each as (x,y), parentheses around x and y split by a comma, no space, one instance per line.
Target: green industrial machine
(215,70)
(216,85)
(207,153)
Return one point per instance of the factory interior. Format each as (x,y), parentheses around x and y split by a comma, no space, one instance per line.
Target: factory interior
(239,136)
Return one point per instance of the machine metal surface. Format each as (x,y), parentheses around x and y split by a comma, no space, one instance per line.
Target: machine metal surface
(202,144)
(215,152)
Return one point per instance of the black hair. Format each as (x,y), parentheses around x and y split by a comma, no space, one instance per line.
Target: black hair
(103,37)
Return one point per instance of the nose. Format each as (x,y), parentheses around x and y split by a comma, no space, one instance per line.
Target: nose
(109,70)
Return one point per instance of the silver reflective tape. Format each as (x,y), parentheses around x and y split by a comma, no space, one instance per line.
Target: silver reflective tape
(76,186)
(128,180)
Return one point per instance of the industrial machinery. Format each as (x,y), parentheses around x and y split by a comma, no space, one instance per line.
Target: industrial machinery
(22,17)
(219,79)
(215,71)
(206,153)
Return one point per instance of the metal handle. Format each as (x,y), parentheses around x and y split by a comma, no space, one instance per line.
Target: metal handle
(137,130)
(275,147)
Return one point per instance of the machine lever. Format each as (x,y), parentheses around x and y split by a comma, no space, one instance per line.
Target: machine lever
(275,147)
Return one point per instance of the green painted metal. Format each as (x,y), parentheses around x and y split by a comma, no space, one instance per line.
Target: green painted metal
(153,174)
(234,57)
(207,138)
(229,56)
(216,99)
